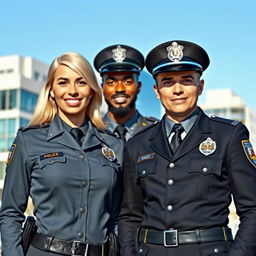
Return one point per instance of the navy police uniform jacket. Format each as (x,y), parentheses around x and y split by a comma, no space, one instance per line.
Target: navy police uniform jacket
(75,189)
(190,189)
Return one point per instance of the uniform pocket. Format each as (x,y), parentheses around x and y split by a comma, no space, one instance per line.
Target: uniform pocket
(205,166)
(204,172)
(146,168)
(105,162)
(142,250)
(44,161)
(220,249)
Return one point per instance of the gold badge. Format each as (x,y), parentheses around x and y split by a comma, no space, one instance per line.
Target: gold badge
(11,154)
(144,124)
(108,153)
(207,147)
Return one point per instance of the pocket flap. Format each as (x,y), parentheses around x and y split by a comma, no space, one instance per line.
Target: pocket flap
(205,165)
(145,168)
(43,161)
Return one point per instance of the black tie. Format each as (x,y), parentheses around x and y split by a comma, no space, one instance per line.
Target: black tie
(121,130)
(77,134)
(176,138)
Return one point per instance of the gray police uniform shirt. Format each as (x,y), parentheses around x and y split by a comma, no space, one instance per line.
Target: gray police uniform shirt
(75,189)
(134,125)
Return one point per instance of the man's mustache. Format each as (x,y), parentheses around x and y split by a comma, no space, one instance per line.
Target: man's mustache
(116,95)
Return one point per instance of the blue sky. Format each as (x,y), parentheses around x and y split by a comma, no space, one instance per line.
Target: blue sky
(225,28)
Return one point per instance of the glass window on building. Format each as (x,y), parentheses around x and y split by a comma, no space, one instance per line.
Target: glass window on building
(2,100)
(23,122)
(36,75)
(8,99)
(28,101)
(12,99)
(7,133)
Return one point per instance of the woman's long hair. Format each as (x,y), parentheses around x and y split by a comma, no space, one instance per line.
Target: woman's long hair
(46,107)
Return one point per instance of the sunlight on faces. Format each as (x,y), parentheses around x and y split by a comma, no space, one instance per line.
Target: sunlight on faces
(178,92)
(71,94)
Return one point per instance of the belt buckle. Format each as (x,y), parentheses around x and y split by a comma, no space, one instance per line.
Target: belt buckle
(175,234)
(74,249)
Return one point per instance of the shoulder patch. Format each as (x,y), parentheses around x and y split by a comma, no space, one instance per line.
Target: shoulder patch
(225,120)
(249,152)
(10,154)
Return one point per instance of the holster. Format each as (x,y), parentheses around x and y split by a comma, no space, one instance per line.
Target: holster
(28,231)
(113,247)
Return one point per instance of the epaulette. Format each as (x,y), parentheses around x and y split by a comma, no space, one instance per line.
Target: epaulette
(151,119)
(146,128)
(225,120)
(28,127)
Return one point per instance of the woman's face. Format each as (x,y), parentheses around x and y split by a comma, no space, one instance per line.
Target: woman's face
(72,95)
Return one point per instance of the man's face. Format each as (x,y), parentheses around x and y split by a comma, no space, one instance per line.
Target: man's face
(120,90)
(178,92)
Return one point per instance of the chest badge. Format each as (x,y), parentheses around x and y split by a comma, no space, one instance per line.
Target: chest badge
(108,153)
(207,147)
(249,152)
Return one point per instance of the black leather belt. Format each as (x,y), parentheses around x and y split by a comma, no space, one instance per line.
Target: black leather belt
(171,238)
(73,248)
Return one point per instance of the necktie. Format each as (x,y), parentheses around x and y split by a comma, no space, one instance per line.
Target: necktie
(121,130)
(77,134)
(176,138)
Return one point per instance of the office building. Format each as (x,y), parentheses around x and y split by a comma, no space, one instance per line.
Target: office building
(225,103)
(21,79)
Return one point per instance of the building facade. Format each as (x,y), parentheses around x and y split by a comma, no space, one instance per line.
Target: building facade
(225,103)
(21,79)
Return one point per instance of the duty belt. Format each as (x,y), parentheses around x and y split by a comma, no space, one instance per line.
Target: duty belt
(172,237)
(72,248)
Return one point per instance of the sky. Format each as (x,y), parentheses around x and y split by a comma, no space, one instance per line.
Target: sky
(226,29)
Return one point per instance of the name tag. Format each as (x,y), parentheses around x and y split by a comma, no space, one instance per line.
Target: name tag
(146,157)
(51,155)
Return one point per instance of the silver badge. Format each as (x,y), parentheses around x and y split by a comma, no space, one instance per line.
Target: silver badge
(207,147)
(175,52)
(108,153)
(119,54)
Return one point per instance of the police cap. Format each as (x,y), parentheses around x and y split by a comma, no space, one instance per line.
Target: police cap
(119,58)
(177,55)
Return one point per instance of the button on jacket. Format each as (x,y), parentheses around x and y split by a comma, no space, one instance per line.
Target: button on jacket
(75,190)
(192,188)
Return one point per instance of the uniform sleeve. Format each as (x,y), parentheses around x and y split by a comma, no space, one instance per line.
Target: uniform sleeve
(131,212)
(14,199)
(242,173)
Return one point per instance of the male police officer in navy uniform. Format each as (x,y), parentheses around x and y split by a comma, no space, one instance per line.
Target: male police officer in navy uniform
(119,67)
(180,173)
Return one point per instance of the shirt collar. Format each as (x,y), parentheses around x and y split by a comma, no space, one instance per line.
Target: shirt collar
(187,123)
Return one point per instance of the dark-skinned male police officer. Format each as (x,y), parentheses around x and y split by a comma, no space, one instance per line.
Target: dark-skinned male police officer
(180,173)
(119,67)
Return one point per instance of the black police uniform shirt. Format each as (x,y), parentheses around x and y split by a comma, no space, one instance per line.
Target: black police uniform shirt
(134,125)
(192,188)
(75,189)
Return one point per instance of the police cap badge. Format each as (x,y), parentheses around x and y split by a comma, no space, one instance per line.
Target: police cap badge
(117,58)
(177,56)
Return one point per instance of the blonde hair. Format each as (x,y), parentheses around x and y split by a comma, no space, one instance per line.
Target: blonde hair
(46,108)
